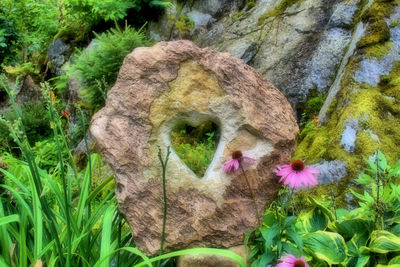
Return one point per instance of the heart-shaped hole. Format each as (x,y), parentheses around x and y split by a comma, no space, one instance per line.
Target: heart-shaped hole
(196,145)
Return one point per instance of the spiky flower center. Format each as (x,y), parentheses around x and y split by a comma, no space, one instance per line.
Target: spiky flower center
(299,263)
(297,165)
(237,154)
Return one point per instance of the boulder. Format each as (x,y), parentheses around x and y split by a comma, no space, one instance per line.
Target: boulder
(161,87)
(58,53)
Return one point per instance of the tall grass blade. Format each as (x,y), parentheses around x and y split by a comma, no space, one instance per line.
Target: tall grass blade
(106,236)
(9,219)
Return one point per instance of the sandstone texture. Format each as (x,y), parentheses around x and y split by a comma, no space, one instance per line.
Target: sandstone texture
(171,83)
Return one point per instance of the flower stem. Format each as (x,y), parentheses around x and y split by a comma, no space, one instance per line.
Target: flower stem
(164,169)
(251,192)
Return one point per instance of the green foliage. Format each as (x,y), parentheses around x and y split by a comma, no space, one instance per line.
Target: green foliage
(8,39)
(196,146)
(35,118)
(326,236)
(78,17)
(34,21)
(61,218)
(98,68)
(23,69)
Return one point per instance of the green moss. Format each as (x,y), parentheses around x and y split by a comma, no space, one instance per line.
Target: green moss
(278,10)
(251,4)
(184,24)
(376,112)
(377,51)
(394,23)
(378,10)
(237,16)
(378,32)
(391,82)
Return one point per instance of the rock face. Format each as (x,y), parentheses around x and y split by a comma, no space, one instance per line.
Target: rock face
(297,45)
(172,83)
(58,53)
(361,112)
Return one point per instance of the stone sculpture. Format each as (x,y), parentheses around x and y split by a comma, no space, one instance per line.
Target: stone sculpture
(171,83)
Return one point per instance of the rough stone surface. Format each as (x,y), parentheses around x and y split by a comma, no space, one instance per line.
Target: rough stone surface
(177,82)
(349,135)
(324,63)
(296,50)
(343,13)
(330,171)
(58,54)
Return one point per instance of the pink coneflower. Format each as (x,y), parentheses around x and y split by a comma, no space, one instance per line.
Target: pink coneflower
(291,261)
(233,165)
(296,174)
(237,161)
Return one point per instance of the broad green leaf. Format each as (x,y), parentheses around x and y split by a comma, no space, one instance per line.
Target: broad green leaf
(395,260)
(324,209)
(384,242)
(358,261)
(327,246)
(269,218)
(340,213)
(269,233)
(349,227)
(293,236)
(265,259)
(314,220)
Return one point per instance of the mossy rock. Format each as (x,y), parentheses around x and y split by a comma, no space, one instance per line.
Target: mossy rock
(378,32)
(377,51)
(278,10)
(378,113)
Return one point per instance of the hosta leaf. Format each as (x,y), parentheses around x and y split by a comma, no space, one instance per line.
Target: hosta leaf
(395,260)
(314,220)
(384,242)
(324,209)
(327,246)
(348,227)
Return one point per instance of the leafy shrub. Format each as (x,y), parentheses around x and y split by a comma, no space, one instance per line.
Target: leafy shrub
(35,21)
(326,236)
(80,16)
(8,39)
(99,67)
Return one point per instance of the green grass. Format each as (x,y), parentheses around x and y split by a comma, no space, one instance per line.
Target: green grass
(56,215)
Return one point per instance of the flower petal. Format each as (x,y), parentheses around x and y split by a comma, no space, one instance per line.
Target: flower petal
(229,166)
(312,170)
(235,164)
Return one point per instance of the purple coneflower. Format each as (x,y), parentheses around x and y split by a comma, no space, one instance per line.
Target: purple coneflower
(237,161)
(296,174)
(237,157)
(291,261)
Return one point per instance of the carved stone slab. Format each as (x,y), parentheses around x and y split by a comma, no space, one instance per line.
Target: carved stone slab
(172,83)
